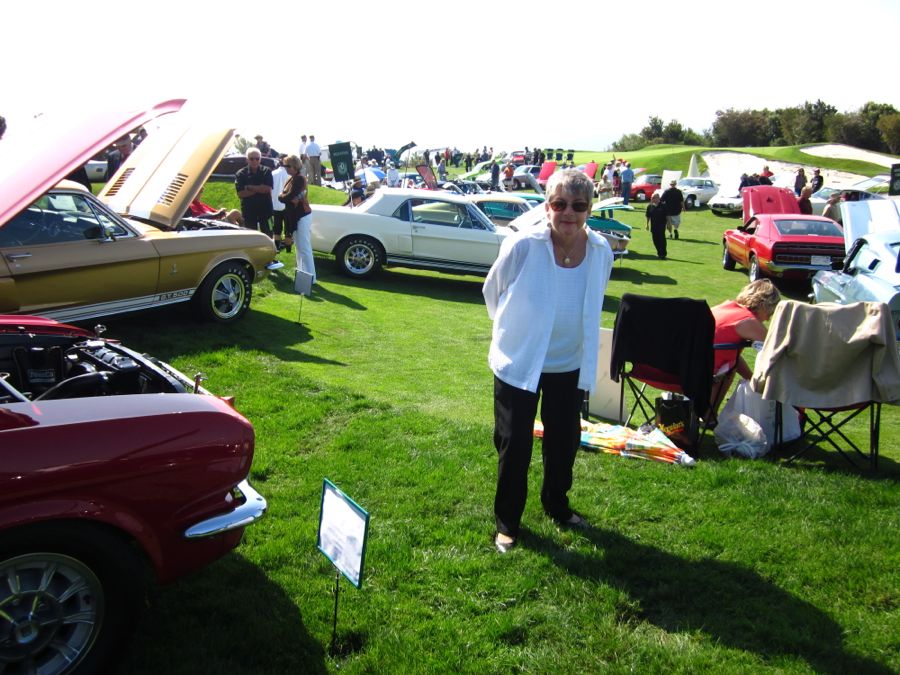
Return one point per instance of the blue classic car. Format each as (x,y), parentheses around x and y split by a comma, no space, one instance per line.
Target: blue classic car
(618,234)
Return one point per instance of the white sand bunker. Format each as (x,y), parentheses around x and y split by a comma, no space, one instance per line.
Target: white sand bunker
(838,151)
(726,168)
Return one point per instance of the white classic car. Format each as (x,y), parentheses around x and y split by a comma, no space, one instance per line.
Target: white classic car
(871,270)
(697,191)
(727,202)
(407,227)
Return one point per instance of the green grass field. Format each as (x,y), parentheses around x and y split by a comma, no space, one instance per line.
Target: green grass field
(383,387)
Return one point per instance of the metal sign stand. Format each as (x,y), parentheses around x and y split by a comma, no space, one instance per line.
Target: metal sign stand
(337,592)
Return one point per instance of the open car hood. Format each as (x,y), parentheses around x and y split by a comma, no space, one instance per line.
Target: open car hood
(38,155)
(872,215)
(164,173)
(765,199)
(611,204)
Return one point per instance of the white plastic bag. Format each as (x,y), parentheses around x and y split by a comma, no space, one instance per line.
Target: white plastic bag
(739,434)
(745,401)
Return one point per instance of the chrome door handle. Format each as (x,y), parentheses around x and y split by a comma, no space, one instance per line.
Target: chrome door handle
(17,256)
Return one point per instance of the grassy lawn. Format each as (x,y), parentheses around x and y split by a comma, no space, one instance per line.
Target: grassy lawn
(731,566)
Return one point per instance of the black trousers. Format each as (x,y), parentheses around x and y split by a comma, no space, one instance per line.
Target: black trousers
(258,221)
(514,413)
(658,233)
(279,224)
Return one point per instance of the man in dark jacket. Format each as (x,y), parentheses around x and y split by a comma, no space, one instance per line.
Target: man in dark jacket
(673,200)
(254,185)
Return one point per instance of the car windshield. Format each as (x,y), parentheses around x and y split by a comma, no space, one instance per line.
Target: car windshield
(59,218)
(817,228)
(826,192)
(690,182)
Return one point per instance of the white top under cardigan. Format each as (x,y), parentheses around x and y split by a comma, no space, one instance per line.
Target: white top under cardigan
(520,293)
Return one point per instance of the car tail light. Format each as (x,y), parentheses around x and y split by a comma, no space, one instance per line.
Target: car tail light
(229,400)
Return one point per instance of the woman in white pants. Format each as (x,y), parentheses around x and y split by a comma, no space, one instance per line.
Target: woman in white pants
(299,214)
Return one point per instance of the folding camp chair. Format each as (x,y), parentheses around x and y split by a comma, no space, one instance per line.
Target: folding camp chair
(832,363)
(669,344)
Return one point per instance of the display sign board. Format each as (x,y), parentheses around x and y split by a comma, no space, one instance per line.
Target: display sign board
(303,283)
(343,532)
(341,160)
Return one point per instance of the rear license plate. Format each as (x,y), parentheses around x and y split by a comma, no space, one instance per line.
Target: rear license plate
(820,260)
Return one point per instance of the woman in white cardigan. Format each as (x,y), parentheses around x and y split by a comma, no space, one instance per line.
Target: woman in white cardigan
(545,294)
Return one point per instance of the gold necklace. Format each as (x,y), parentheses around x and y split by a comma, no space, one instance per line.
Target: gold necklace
(567,254)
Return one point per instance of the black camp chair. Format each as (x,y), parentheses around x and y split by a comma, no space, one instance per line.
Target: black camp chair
(668,343)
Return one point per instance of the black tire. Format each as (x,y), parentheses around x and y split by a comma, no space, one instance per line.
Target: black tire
(640,196)
(359,257)
(225,294)
(728,262)
(755,273)
(47,563)
(690,202)
(717,213)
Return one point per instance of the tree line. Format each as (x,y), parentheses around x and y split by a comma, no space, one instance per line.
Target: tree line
(874,126)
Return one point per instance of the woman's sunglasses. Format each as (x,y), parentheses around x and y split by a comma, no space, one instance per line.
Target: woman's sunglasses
(577,207)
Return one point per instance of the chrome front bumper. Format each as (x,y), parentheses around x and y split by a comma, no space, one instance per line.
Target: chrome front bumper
(250,511)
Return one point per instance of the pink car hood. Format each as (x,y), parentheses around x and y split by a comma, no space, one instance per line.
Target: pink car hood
(33,160)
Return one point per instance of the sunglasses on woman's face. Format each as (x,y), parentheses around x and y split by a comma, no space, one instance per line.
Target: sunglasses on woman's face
(577,207)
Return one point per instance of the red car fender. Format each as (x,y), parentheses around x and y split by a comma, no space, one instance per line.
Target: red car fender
(86,511)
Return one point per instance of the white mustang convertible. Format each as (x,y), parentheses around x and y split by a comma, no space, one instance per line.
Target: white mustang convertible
(410,228)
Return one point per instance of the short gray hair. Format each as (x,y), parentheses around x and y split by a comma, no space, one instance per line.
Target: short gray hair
(253,150)
(572,181)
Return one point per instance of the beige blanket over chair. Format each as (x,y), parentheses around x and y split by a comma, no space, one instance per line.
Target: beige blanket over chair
(829,356)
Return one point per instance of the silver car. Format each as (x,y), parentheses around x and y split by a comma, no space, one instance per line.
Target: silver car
(871,270)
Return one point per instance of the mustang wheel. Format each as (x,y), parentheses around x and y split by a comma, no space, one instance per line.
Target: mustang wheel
(727,261)
(690,202)
(755,272)
(66,601)
(225,293)
(641,196)
(359,256)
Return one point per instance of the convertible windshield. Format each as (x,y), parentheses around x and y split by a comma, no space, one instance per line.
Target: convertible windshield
(818,228)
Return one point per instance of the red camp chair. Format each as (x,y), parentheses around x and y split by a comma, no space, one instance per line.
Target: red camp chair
(668,343)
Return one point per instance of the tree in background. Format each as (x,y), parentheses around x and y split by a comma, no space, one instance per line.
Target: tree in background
(740,128)
(629,143)
(653,132)
(889,126)
(860,127)
(657,132)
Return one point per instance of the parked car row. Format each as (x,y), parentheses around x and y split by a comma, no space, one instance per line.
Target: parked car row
(115,467)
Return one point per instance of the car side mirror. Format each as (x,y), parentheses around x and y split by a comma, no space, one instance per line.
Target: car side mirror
(109,232)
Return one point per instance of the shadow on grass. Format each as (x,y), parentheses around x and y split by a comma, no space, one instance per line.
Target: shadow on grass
(228,617)
(822,457)
(636,276)
(173,332)
(731,604)
(690,240)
